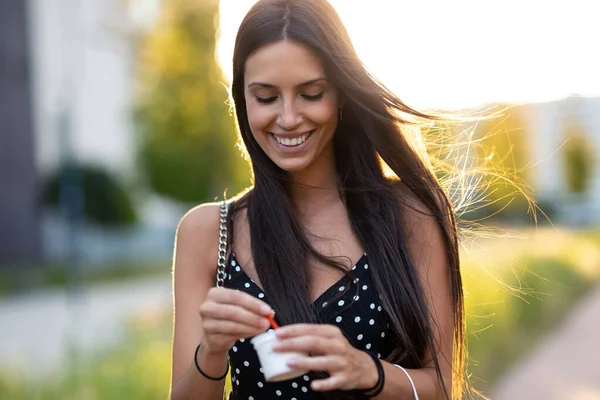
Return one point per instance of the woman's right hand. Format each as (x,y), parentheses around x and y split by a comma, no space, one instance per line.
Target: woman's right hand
(229,315)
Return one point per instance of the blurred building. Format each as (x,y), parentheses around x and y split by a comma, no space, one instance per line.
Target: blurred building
(81,58)
(82,54)
(19,218)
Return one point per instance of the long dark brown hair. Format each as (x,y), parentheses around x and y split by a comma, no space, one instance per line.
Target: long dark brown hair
(368,134)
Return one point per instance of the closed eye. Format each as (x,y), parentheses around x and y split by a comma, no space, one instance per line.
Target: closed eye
(313,97)
(266,100)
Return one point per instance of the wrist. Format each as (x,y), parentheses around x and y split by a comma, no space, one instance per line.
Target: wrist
(374,377)
(370,374)
(208,352)
(211,364)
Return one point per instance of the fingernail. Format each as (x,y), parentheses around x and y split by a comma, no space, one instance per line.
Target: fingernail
(291,362)
(266,309)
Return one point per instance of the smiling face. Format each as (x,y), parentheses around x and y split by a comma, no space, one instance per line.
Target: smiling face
(292,107)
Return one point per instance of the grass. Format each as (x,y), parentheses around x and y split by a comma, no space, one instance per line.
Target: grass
(137,369)
(516,291)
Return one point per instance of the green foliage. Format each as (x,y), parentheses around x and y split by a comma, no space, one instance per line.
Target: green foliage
(105,201)
(187,137)
(137,369)
(578,156)
(518,290)
(502,152)
(552,289)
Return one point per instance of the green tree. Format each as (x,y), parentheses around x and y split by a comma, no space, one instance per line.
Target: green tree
(502,149)
(578,157)
(186,135)
(106,202)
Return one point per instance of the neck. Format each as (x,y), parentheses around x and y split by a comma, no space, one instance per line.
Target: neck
(316,186)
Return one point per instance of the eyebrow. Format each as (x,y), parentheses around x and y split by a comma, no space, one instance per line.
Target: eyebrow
(307,83)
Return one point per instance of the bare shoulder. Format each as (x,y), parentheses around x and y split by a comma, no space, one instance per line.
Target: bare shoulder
(197,237)
(424,235)
(202,219)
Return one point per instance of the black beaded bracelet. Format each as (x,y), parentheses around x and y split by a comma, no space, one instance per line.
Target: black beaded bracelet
(378,387)
(203,374)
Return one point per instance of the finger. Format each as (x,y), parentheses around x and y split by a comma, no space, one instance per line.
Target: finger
(337,381)
(329,363)
(236,297)
(309,344)
(231,328)
(323,330)
(234,313)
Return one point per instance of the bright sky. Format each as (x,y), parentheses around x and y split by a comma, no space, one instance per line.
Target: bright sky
(462,53)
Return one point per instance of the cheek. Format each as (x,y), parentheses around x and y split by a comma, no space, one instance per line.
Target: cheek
(259,117)
(324,114)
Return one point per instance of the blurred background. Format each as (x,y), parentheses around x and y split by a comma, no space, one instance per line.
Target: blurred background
(114,122)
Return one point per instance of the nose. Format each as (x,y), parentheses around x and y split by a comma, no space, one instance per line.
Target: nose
(289,117)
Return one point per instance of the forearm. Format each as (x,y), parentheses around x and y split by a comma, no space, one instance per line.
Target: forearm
(397,385)
(193,385)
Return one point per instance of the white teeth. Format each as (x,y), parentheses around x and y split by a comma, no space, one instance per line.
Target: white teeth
(292,142)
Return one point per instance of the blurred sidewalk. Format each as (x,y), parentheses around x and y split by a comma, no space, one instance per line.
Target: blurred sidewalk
(564,366)
(37,330)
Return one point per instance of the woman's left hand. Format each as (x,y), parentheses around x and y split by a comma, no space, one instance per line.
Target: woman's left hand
(348,367)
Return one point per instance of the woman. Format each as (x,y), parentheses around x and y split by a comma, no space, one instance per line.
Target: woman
(361,268)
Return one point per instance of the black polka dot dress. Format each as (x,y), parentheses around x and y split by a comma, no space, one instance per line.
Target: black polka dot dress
(351,304)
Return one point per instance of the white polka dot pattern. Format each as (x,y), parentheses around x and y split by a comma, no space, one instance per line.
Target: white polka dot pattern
(353,307)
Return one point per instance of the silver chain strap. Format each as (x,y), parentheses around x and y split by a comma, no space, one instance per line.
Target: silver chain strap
(222,245)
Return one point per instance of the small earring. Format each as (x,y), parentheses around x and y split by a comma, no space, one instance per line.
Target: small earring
(340,113)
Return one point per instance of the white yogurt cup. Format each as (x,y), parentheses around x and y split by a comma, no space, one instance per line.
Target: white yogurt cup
(274,364)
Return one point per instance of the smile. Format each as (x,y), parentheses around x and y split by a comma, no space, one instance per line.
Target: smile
(293,142)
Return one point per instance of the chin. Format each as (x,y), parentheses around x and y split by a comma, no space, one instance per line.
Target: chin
(292,167)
